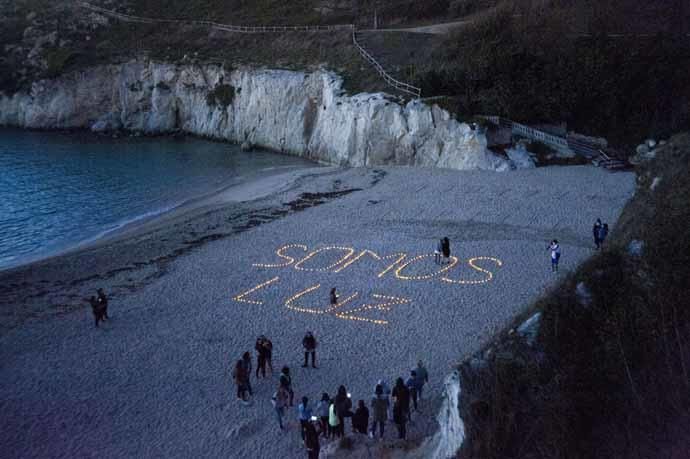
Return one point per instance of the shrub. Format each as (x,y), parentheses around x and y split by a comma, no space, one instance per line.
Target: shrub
(221,96)
(57,60)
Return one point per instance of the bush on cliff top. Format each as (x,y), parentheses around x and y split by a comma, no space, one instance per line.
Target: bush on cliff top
(221,96)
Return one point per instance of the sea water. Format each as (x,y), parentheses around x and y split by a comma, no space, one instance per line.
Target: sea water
(60,189)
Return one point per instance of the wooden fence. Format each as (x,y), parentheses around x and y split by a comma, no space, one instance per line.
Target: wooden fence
(397,84)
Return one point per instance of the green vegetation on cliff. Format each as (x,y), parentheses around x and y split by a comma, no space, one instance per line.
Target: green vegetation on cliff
(608,375)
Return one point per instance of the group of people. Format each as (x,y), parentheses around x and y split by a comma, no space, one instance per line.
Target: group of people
(99,306)
(599,231)
(327,417)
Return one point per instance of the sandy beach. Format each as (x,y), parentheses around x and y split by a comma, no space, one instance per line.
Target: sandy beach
(191,291)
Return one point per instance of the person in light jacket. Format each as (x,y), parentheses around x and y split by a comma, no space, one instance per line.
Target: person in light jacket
(322,413)
(379,409)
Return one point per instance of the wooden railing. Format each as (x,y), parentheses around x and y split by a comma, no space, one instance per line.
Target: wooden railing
(397,84)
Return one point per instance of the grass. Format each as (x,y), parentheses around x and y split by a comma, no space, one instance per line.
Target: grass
(608,378)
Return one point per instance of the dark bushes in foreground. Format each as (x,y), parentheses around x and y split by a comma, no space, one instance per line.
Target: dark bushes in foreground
(608,375)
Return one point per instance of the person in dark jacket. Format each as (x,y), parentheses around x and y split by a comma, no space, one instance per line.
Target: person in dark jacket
(311,441)
(286,382)
(343,407)
(445,249)
(400,419)
(103,302)
(401,394)
(603,232)
(97,309)
(595,233)
(240,376)
(260,357)
(334,297)
(247,363)
(309,344)
(379,409)
(360,420)
(268,346)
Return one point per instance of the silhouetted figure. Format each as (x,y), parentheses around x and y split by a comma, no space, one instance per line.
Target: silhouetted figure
(596,233)
(247,363)
(360,420)
(286,382)
(311,441)
(264,350)
(97,309)
(401,394)
(343,407)
(240,376)
(309,343)
(445,249)
(603,232)
(103,301)
(334,297)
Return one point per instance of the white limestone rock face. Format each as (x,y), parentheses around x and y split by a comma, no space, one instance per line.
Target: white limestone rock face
(305,114)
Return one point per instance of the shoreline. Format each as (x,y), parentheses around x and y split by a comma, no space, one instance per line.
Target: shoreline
(260,185)
(141,252)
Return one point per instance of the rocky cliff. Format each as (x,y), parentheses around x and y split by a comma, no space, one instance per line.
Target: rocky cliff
(305,114)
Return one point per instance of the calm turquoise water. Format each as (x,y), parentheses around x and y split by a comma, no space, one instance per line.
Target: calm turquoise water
(58,189)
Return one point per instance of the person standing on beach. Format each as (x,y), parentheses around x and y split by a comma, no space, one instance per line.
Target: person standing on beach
(413,384)
(603,232)
(360,420)
(279,401)
(103,301)
(268,346)
(343,407)
(309,343)
(286,383)
(97,309)
(555,255)
(422,376)
(260,356)
(595,233)
(379,408)
(401,395)
(333,421)
(303,415)
(247,364)
(322,413)
(400,419)
(387,394)
(445,249)
(334,297)
(311,441)
(240,376)
(438,252)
